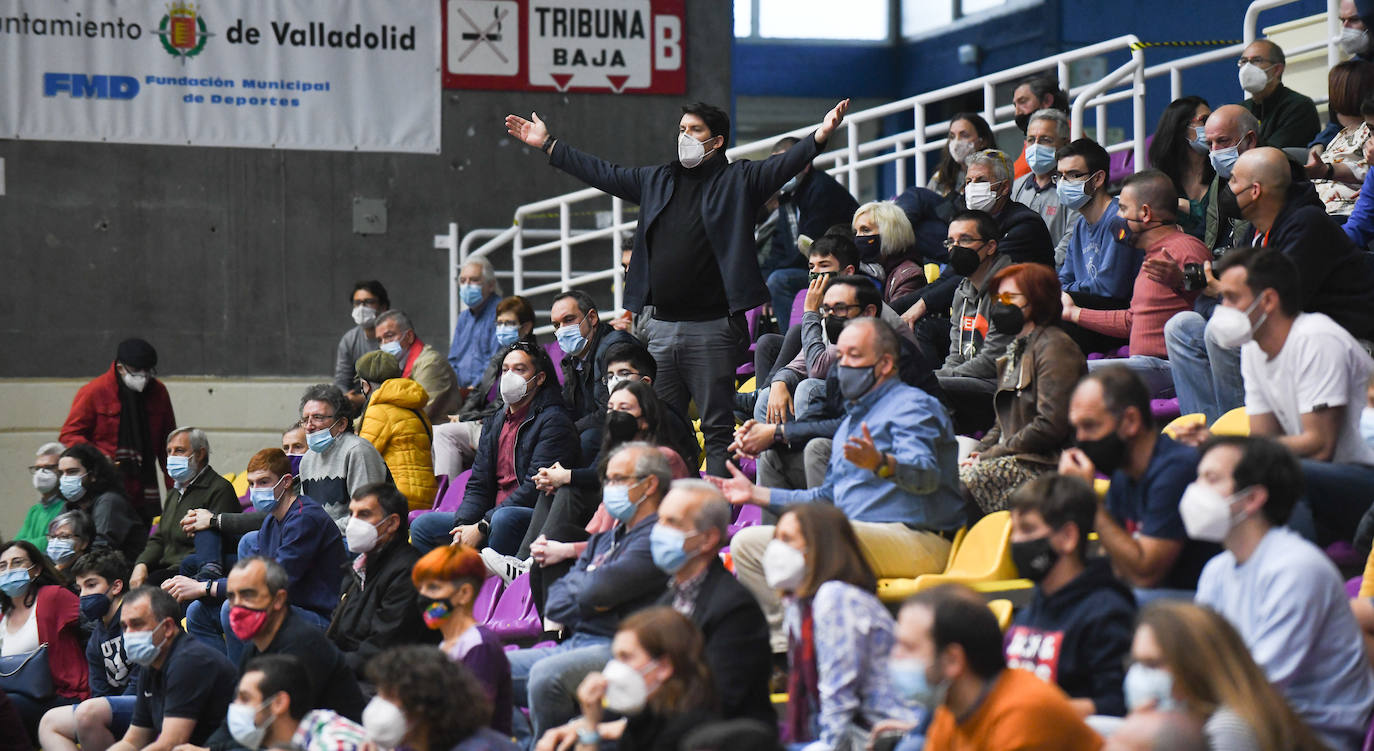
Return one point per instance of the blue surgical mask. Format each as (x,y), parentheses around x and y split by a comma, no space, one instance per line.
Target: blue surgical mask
(140,648)
(71,486)
(617,500)
(665,545)
(242,721)
(855,381)
(1145,684)
(264,499)
(507,335)
(320,440)
(1199,143)
(1224,160)
(14,581)
(392,348)
(471,294)
(570,338)
(1072,193)
(60,549)
(1040,158)
(179,467)
(910,681)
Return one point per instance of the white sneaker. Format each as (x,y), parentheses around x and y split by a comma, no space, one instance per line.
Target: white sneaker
(508,567)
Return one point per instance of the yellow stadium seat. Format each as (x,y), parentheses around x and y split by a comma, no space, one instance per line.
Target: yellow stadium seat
(1235,422)
(1001,609)
(1183,421)
(983,560)
(748,386)
(932,272)
(240,483)
(1100,486)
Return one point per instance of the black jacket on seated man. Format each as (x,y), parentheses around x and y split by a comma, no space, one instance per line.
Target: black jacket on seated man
(614,577)
(735,642)
(584,394)
(378,610)
(819,201)
(1336,277)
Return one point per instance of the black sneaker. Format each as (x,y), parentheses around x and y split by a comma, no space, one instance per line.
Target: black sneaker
(210,572)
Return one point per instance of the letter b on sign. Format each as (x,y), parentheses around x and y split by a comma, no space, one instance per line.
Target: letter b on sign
(667,43)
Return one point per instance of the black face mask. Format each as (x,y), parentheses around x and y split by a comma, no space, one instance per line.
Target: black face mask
(1227,201)
(833,327)
(1034,558)
(1106,453)
(1023,122)
(963,261)
(621,426)
(870,246)
(1007,319)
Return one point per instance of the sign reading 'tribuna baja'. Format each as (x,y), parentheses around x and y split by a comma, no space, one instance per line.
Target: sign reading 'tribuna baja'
(355,75)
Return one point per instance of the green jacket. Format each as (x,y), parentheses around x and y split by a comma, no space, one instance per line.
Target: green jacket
(169,545)
(1287,119)
(41,514)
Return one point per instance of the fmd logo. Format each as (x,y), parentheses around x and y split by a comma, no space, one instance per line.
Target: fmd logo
(82,86)
(183,31)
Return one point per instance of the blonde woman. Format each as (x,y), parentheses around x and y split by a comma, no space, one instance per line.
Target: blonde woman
(887,248)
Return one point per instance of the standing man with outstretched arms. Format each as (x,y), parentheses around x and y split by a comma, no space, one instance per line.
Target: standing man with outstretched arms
(694,256)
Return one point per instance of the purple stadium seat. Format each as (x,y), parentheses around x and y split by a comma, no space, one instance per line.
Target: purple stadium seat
(487,598)
(449,499)
(1164,410)
(749,516)
(797,308)
(752,318)
(515,617)
(555,354)
(1122,164)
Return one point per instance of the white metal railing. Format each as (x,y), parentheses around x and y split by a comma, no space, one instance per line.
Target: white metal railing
(856,157)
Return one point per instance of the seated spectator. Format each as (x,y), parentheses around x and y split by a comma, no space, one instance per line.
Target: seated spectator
(395,423)
(50,502)
(196,484)
(1340,169)
(969,374)
(262,617)
(369,299)
(1157,731)
(1189,659)
(184,687)
(1179,150)
(35,610)
(808,203)
(339,461)
(277,688)
(968,134)
(1035,378)
(1138,522)
(474,337)
(1287,119)
(1038,92)
(1076,631)
(693,524)
(584,339)
(533,430)
(887,248)
(296,533)
(448,580)
(90,484)
(1099,266)
(1146,216)
(1231,130)
(295,446)
(69,537)
(426,704)
(103,580)
(419,362)
(893,472)
(455,441)
(1047,132)
(614,576)
(948,654)
(128,389)
(658,648)
(631,361)
(841,634)
(378,609)
(1359,226)
(1281,593)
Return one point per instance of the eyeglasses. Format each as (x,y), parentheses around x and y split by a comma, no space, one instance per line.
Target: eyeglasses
(622,480)
(1072,176)
(619,375)
(308,420)
(1009,298)
(371,302)
(36,468)
(60,536)
(1258,62)
(839,309)
(962,242)
(1040,140)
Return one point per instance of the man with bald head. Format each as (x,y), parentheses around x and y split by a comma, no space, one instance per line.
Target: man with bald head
(1230,131)
(693,525)
(1147,219)
(1286,117)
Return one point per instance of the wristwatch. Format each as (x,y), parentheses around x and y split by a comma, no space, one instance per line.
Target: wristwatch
(484,527)
(588,737)
(885,470)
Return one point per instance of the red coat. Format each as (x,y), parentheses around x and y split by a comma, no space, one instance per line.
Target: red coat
(58,612)
(94,417)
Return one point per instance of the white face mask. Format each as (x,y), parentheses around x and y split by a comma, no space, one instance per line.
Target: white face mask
(626,689)
(1231,327)
(364,315)
(784,566)
(1253,79)
(45,481)
(360,536)
(1206,514)
(135,381)
(1354,41)
(513,387)
(979,196)
(690,151)
(384,722)
(961,150)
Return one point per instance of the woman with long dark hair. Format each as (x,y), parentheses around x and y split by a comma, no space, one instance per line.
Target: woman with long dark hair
(89,483)
(1179,150)
(968,134)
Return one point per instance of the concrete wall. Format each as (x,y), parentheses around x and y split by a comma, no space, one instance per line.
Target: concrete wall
(240,416)
(239,262)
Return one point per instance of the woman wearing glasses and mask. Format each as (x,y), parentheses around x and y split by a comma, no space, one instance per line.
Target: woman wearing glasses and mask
(1035,378)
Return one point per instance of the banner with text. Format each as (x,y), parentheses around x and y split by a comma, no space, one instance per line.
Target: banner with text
(339,75)
(620,46)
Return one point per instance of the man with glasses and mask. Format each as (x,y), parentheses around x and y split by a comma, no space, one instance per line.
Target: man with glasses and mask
(50,501)
(127,414)
(695,257)
(1046,133)
(584,339)
(339,462)
(1287,118)
(369,300)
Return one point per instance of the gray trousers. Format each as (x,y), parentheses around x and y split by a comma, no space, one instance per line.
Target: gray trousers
(792,469)
(696,362)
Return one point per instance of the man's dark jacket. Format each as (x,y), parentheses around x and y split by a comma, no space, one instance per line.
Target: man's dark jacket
(820,201)
(730,200)
(380,611)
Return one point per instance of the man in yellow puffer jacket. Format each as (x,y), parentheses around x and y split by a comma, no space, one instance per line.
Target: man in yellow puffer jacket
(395,423)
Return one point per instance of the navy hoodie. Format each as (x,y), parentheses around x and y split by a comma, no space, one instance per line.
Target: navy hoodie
(1078,637)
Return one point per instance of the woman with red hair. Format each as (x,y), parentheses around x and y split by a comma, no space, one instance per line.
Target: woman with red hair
(448,579)
(1035,378)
